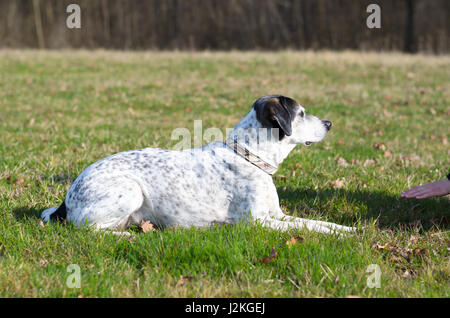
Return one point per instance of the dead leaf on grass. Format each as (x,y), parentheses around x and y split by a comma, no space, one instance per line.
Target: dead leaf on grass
(183,280)
(420,251)
(397,254)
(387,113)
(369,163)
(338,183)
(294,240)
(395,258)
(146,226)
(273,254)
(411,158)
(19,181)
(43,262)
(342,162)
(377,133)
(387,154)
(387,247)
(380,146)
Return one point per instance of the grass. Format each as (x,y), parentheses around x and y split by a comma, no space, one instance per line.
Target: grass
(61,111)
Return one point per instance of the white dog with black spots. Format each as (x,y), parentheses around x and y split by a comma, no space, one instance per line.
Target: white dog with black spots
(219,183)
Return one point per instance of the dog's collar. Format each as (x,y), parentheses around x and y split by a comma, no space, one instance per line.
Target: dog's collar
(250,157)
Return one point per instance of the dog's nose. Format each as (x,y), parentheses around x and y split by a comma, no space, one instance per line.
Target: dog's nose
(327,124)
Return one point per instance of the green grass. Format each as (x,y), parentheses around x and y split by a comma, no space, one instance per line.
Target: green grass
(61,111)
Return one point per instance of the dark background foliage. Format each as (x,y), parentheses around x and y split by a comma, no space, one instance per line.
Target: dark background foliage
(406,25)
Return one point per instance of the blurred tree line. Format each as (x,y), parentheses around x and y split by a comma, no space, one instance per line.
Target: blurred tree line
(406,25)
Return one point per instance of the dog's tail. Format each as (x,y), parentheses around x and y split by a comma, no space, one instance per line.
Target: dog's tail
(57,213)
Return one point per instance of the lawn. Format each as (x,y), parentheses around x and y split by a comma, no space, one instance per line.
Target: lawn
(61,111)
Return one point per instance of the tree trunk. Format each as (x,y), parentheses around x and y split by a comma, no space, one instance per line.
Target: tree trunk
(410,45)
(38,23)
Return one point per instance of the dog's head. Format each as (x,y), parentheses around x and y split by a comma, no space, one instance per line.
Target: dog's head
(284,113)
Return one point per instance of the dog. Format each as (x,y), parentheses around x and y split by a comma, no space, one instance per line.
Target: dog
(219,183)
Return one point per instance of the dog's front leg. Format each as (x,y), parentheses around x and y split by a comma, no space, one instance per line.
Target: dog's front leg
(314,223)
(276,219)
(299,223)
(286,221)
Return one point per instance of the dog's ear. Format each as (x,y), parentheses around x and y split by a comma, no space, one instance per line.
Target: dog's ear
(276,112)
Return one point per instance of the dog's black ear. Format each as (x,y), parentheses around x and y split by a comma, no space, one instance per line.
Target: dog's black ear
(276,112)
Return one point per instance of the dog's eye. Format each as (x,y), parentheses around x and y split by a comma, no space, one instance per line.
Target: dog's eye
(302,113)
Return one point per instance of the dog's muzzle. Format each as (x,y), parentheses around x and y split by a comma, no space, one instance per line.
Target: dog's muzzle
(327,124)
